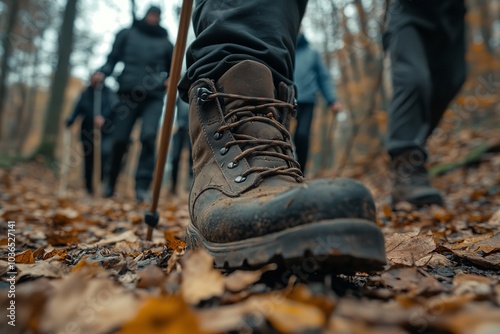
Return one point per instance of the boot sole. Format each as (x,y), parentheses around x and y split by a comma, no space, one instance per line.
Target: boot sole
(343,246)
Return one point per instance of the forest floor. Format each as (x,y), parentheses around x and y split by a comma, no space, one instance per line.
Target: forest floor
(83,265)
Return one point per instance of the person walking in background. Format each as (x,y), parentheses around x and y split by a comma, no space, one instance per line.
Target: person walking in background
(310,76)
(426,41)
(84,109)
(146,52)
(180,140)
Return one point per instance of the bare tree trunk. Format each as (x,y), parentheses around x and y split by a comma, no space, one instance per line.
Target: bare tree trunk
(7,51)
(59,82)
(132,9)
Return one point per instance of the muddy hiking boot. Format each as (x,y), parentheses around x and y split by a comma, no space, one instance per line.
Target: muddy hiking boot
(250,204)
(411,182)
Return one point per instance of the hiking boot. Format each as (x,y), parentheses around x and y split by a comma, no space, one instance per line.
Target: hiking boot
(142,195)
(250,204)
(411,181)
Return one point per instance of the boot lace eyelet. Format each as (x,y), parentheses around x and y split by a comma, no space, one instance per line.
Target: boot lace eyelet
(232,164)
(223,150)
(217,135)
(240,179)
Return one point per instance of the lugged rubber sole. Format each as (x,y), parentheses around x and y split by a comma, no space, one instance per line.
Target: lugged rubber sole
(346,246)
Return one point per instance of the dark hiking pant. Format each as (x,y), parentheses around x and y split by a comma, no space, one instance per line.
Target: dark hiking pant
(426,42)
(229,32)
(124,117)
(303,132)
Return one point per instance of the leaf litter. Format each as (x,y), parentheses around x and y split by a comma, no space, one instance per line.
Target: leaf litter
(84,265)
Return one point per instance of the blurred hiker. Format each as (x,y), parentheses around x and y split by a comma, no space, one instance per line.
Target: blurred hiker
(146,52)
(250,204)
(180,140)
(311,76)
(426,41)
(85,110)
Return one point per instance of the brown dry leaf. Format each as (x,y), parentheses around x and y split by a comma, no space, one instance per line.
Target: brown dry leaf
(372,311)
(173,242)
(410,279)
(125,236)
(487,246)
(471,241)
(241,279)
(288,316)
(131,248)
(163,315)
(151,276)
(491,262)
(434,260)
(64,216)
(38,254)
(60,237)
(30,299)
(408,248)
(301,293)
(440,214)
(82,304)
(25,257)
(285,315)
(495,219)
(200,281)
(56,252)
(475,318)
(52,269)
(464,284)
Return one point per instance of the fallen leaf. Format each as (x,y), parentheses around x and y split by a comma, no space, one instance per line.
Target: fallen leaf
(491,262)
(487,246)
(408,248)
(31,298)
(25,257)
(434,260)
(410,280)
(200,281)
(38,254)
(51,269)
(60,237)
(85,304)
(173,242)
(151,276)
(56,252)
(476,285)
(241,279)
(125,236)
(163,315)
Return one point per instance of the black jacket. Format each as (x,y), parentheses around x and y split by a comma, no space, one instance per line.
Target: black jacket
(146,53)
(84,108)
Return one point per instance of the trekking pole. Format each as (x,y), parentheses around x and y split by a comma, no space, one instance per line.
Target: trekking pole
(63,180)
(152,217)
(96,175)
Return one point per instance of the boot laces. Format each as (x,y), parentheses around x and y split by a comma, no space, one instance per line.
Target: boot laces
(264,110)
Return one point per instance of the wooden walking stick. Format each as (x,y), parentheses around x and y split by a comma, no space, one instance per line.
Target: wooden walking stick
(63,176)
(152,217)
(96,173)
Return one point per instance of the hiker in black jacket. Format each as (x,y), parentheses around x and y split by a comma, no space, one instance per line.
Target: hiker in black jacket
(146,52)
(85,110)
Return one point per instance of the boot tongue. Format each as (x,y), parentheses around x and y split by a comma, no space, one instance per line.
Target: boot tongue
(252,79)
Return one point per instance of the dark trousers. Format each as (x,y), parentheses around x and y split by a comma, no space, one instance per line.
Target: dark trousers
(180,140)
(428,68)
(229,32)
(303,132)
(124,117)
